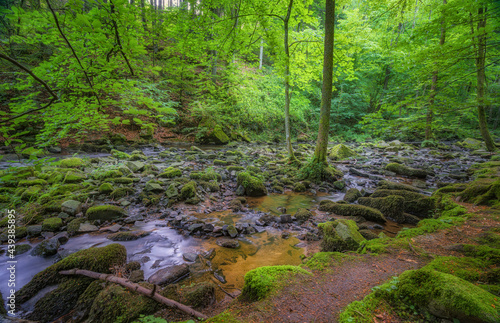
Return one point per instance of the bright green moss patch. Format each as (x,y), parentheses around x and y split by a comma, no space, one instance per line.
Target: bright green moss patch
(170,172)
(368,213)
(483,252)
(188,190)
(322,260)
(430,225)
(261,281)
(224,317)
(106,188)
(340,235)
(73,162)
(253,185)
(467,268)
(31,182)
(105,212)
(405,170)
(340,152)
(52,224)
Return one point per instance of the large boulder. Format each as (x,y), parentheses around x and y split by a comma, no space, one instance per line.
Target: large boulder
(415,203)
(71,207)
(406,171)
(340,235)
(216,136)
(169,275)
(391,206)
(366,212)
(340,152)
(252,184)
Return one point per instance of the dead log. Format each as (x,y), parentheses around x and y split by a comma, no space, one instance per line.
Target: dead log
(136,288)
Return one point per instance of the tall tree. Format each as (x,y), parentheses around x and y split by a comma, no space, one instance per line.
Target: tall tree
(289,148)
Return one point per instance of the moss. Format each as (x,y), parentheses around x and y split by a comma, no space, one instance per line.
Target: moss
(352,195)
(235,168)
(217,136)
(430,225)
(449,296)
(486,253)
(322,260)
(32,182)
(415,203)
(210,186)
(366,212)
(74,225)
(72,177)
(105,174)
(490,238)
(170,172)
(106,188)
(254,169)
(261,281)
(105,212)
(466,268)
(72,162)
(123,180)
(115,304)
(52,206)
(188,190)
(220,162)
(119,154)
(299,187)
(391,206)
(199,295)
(405,170)
(31,193)
(341,151)
(52,224)
(121,192)
(363,311)
(396,186)
(252,184)
(340,235)
(94,259)
(303,215)
(65,189)
(127,236)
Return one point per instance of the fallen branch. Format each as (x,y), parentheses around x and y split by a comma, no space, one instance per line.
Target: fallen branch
(136,288)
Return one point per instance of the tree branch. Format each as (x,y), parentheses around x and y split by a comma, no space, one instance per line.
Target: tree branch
(136,288)
(117,35)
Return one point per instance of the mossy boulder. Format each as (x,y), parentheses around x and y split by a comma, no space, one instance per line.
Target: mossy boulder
(352,195)
(127,236)
(253,185)
(117,304)
(73,162)
(200,295)
(121,192)
(32,182)
(449,297)
(31,193)
(470,143)
(94,259)
(340,152)
(483,191)
(415,203)
(384,184)
(105,212)
(391,206)
(52,224)
(74,177)
(216,136)
(106,188)
(366,212)
(406,171)
(71,207)
(261,281)
(170,172)
(188,190)
(303,215)
(340,235)
(172,191)
(135,166)
(299,187)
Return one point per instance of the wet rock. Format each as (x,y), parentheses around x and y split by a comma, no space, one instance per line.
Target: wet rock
(136,276)
(286,218)
(71,207)
(200,295)
(153,187)
(21,248)
(114,228)
(62,237)
(209,254)
(190,256)
(285,235)
(368,235)
(127,236)
(352,195)
(405,170)
(87,227)
(46,248)
(366,212)
(196,227)
(34,230)
(340,235)
(208,228)
(302,215)
(52,224)
(240,191)
(391,206)
(169,275)
(231,231)
(235,205)
(227,243)
(135,166)
(252,184)
(105,212)
(172,191)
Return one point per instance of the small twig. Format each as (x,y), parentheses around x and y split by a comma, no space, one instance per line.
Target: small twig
(411,247)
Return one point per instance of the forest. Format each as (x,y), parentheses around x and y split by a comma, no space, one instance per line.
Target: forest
(250,161)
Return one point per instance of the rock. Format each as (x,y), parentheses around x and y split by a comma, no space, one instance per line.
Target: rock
(405,170)
(172,191)
(105,212)
(190,256)
(128,235)
(391,206)
(34,230)
(240,190)
(215,136)
(340,235)
(227,243)
(71,207)
(87,227)
(135,166)
(352,195)
(196,227)
(188,190)
(136,276)
(52,224)
(114,228)
(340,152)
(470,143)
(72,162)
(231,230)
(415,203)
(368,235)
(46,248)
(62,237)
(366,212)
(20,249)
(253,185)
(153,187)
(200,295)
(54,150)
(302,215)
(285,218)
(169,275)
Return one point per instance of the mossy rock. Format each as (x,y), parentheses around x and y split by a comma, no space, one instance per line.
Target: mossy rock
(73,177)
(467,268)
(121,192)
(119,154)
(299,187)
(340,235)
(366,212)
(74,225)
(105,212)
(470,143)
(94,259)
(127,236)
(235,168)
(252,184)
(340,152)
(73,162)
(65,189)
(200,295)
(391,206)
(188,190)
(406,171)
(415,203)
(31,193)
(171,172)
(52,224)
(111,173)
(32,182)
(124,180)
(116,304)
(388,185)
(261,281)
(106,188)
(216,136)
(447,296)
(220,162)
(172,191)
(352,195)
(303,215)
(482,192)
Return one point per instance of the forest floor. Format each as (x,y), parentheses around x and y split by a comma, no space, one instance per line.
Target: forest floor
(322,296)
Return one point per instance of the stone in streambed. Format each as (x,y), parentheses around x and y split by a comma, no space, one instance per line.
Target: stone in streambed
(169,275)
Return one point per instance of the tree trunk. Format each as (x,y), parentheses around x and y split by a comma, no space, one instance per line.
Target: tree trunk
(481,79)
(432,96)
(320,152)
(289,148)
(136,288)
(261,53)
